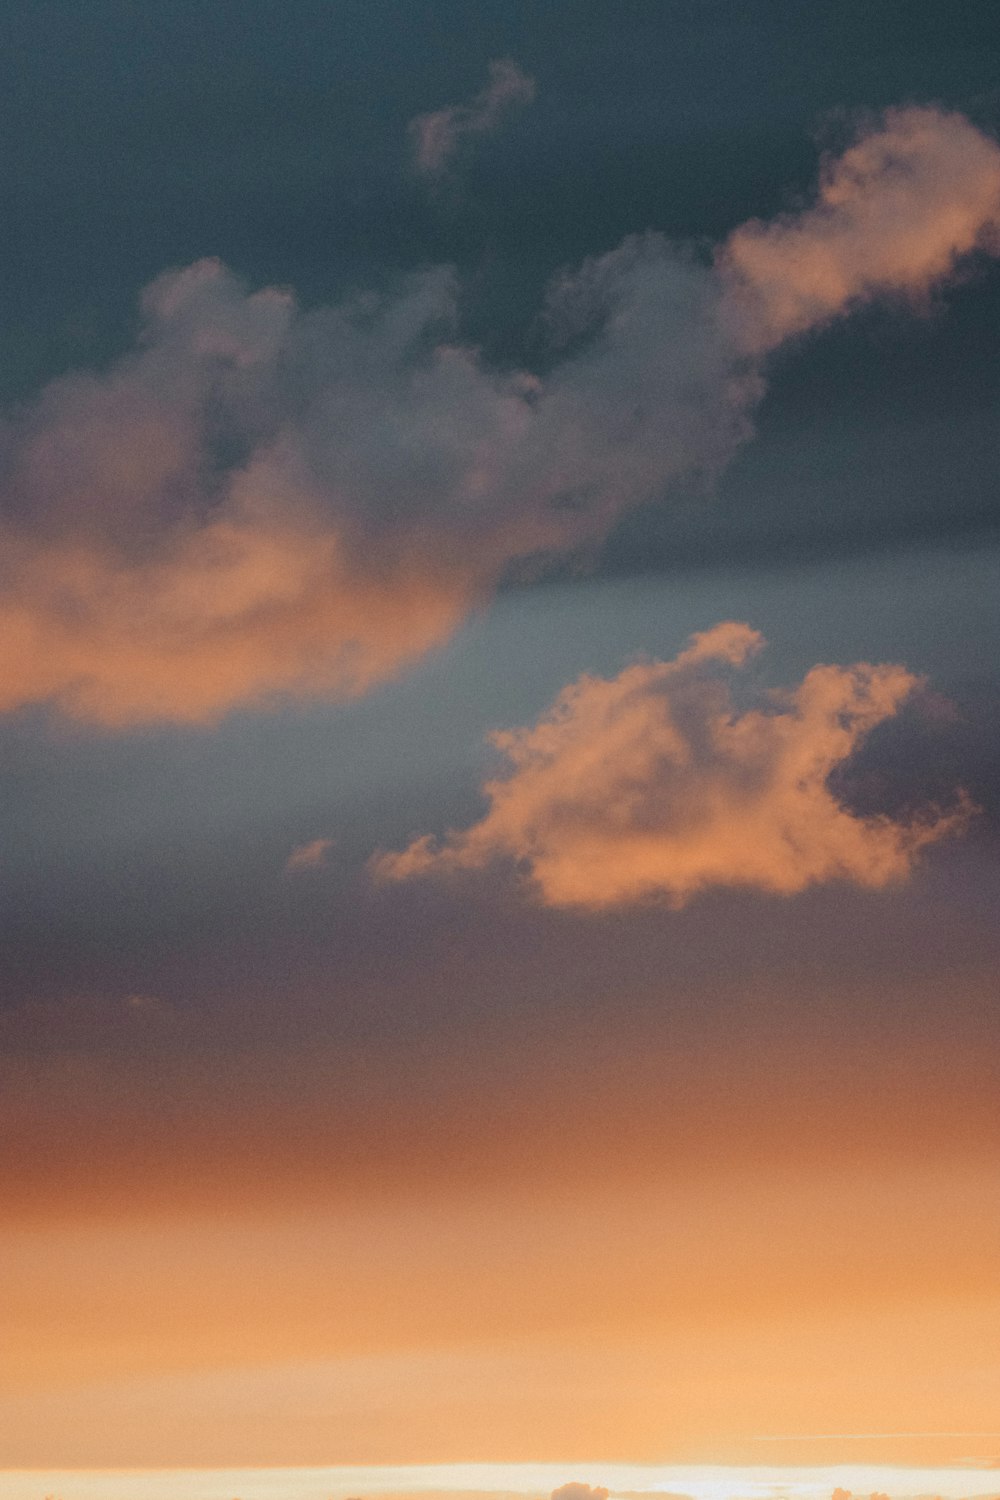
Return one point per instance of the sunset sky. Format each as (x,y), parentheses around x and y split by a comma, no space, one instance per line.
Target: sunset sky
(499,722)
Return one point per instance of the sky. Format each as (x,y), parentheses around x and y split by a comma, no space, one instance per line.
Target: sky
(499,707)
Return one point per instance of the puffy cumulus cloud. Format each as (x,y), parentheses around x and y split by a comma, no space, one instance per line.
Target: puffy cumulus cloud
(654,784)
(437,136)
(262,502)
(893,213)
(575,1491)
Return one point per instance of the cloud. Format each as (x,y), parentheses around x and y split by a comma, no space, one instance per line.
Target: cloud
(212,522)
(893,213)
(656,785)
(149,1005)
(580,1492)
(436,137)
(311,856)
(260,503)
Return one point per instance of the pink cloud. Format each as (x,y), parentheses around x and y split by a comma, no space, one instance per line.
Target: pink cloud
(311,856)
(653,785)
(437,136)
(893,213)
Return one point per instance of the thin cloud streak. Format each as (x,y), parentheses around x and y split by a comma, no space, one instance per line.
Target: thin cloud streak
(860,1437)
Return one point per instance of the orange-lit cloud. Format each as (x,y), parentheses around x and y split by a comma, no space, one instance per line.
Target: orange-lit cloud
(262,502)
(225,613)
(437,136)
(311,856)
(893,213)
(654,784)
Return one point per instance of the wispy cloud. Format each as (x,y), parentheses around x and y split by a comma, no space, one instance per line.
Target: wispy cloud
(437,136)
(653,784)
(311,856)
(260,502)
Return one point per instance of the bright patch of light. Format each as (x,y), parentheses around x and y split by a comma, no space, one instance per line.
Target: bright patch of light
(512,1481)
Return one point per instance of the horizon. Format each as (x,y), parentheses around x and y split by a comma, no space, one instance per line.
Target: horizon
(690,1481)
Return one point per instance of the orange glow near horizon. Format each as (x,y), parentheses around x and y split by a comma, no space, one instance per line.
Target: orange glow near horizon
(656,1322)
(606,1249)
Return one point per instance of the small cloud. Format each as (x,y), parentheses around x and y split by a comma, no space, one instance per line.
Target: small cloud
(893,214)
(311,856)
(654,785)
(437,136)
(149,1005)
(575,1491)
